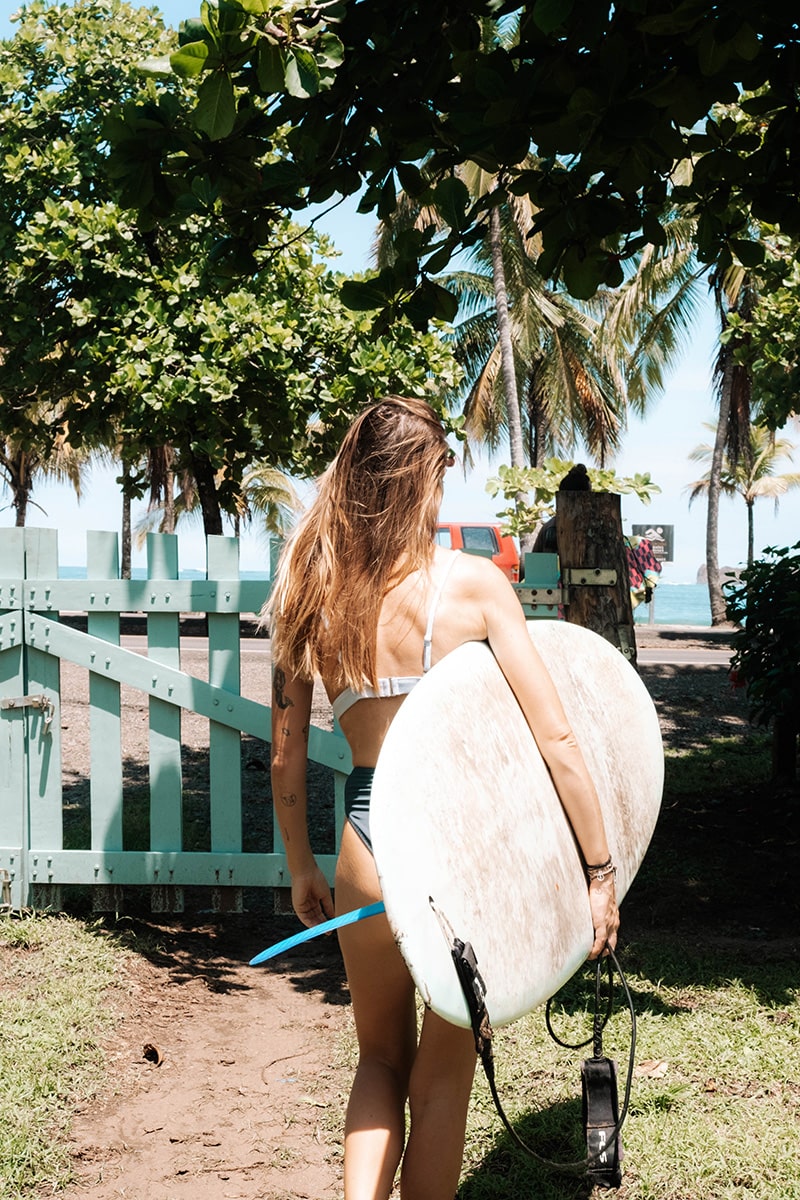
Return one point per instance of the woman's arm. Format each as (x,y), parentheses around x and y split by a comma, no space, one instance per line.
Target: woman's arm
(291,717)
(532,684)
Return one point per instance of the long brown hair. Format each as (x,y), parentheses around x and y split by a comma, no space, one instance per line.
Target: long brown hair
(372,522)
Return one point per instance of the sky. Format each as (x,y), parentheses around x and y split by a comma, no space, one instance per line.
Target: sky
(660,444)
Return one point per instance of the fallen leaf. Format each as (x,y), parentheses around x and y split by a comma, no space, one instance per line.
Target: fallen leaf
(652,1068)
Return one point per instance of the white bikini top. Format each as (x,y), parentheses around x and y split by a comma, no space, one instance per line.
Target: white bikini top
(397,685)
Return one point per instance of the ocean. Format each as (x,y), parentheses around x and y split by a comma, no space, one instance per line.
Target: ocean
(673,603)
(676,604)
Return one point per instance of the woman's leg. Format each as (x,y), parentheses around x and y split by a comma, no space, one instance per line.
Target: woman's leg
(382,993)
(439,1091)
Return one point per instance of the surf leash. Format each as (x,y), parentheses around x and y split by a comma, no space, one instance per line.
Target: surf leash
(305,935)
(602,1118)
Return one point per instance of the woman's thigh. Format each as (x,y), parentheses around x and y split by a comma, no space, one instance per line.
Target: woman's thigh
(381,988)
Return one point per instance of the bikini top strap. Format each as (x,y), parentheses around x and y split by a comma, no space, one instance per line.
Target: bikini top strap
(427,642)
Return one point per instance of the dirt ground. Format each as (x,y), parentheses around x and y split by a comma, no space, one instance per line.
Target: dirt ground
(225,1082)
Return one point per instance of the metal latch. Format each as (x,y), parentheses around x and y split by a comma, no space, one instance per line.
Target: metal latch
(5,890)
(43,703)
(584,576)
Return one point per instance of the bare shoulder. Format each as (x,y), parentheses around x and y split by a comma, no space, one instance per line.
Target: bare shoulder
(479,575)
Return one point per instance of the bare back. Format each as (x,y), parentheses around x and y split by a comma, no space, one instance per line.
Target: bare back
(404,615)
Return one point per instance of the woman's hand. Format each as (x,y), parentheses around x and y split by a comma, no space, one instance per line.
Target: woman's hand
(311,897)
(605,914)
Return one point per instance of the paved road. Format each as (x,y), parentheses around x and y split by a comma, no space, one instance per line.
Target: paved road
(683,656)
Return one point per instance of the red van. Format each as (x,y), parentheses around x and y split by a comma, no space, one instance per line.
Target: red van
(488,540)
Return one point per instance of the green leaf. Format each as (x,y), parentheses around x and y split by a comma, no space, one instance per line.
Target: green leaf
(451,198)
(548,15)
(302,73)
(388,199)
(438,260)
(411,179)
(190,30)
(189,60)
(583,273)
(329,51)
(363,296)
(271,68)
(156,66)
(749,254)
(215,112)
(445,303)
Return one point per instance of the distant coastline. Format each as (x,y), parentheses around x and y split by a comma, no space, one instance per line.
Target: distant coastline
(724,572)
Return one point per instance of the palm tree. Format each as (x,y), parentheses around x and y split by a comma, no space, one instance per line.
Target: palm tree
(659,311)
(568,388)
(534,370)
(752,477)
(22,465)
(264,491)
(734,292)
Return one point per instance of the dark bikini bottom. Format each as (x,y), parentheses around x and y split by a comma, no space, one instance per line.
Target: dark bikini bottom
(357,792)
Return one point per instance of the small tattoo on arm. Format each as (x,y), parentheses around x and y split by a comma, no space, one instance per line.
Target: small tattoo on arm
(289,800)
(279,683)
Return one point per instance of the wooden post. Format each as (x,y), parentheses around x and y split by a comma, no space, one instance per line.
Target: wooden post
(589,535)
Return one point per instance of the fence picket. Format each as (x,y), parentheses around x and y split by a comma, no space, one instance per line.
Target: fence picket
(13,764)
(105,785)
(166,775)
(34,641)
(224,743)
(43,737)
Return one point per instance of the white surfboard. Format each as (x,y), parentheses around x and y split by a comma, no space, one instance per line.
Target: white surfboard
(470,838)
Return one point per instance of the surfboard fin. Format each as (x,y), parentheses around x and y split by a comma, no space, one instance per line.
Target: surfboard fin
(474,989)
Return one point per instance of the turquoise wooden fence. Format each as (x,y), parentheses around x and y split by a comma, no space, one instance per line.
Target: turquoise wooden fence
(36,638)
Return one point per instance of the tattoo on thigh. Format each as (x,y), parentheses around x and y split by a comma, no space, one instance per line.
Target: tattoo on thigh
(279,683)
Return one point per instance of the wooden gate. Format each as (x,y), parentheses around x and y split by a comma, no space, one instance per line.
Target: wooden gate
(46,621)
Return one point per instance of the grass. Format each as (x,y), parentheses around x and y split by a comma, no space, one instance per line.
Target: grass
(54,1010)
(709,949)
(715,1100)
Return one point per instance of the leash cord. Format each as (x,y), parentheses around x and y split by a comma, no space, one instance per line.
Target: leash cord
(474,992)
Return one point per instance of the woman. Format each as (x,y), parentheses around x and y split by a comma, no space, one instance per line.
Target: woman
(367,601)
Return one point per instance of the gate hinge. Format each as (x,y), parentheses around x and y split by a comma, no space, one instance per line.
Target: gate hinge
(583,576)
(43,703)
(624,635)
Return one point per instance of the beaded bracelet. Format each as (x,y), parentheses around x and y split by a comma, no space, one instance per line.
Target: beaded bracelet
(599,872)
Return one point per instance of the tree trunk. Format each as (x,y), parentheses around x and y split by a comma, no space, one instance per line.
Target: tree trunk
(750,532)
(21,475)
(21,505)
(207,493)
(715,597)
(507,364)
(169,495)
(589,534)
(125,557)
(537,426)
